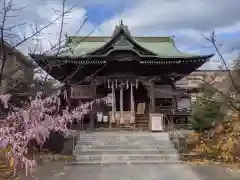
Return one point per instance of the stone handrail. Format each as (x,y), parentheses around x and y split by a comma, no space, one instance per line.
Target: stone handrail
(176,137)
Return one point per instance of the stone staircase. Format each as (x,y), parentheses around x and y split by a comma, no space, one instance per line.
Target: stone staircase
(124,147)
(141,121)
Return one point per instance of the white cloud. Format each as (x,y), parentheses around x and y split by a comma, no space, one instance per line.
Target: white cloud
(41,12)
(235,28)
(72,23)
(181,14)
(184,19)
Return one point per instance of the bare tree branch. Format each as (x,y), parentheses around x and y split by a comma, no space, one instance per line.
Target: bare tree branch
(212,40)
(6,10)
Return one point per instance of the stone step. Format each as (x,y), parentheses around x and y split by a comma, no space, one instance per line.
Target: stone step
(142,125)
(125,148)
(122,140)
(140,147)
(127,157)
(129,141)
(114,134)
(115,129)
(141,118)
(111,134)
(124,151)
(102,162)
(115,137)
(123,145)
(142,121)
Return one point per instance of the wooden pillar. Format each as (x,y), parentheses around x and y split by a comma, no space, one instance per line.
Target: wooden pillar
(113,105)
(121,105)
(174,98)
(91,120)
(152,97)
(69,90)
(174,101)
(132,104)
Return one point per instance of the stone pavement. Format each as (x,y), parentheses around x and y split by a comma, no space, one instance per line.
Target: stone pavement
(114,172)
(127,144)
(59,171)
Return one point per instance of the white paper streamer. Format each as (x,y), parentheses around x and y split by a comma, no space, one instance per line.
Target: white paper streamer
(127,84)
(137,84)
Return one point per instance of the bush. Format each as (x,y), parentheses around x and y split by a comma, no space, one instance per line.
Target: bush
(55,142)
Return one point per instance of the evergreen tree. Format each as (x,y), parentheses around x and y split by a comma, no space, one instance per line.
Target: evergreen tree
(206,111)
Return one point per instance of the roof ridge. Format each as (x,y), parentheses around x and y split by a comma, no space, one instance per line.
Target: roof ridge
(111,36)
(137,38)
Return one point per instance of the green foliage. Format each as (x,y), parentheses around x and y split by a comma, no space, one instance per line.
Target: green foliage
(205,112)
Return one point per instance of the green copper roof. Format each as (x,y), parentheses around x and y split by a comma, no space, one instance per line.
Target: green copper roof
(162,46)
(164,49)
(85,47)
(148,48)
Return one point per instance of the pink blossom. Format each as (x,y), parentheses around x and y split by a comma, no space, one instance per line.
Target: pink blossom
(34,122)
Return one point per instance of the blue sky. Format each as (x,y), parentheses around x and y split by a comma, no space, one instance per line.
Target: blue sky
(184,19)
(98,13)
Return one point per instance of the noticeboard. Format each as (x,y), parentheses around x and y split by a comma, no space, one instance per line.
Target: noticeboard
(156,122)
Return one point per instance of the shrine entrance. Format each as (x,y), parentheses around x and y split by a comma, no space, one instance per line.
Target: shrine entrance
(128,99)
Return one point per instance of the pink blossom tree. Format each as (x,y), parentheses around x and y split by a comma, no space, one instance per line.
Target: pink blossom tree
(38,117)
(35,121)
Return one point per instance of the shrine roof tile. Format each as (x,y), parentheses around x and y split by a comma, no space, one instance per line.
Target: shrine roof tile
(162,46)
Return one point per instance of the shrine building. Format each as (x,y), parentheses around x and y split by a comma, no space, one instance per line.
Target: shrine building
(140,73)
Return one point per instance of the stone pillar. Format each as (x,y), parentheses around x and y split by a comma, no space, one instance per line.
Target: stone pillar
(132,120)
(121,105)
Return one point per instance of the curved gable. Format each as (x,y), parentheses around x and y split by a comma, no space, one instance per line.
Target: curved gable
(121,40)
